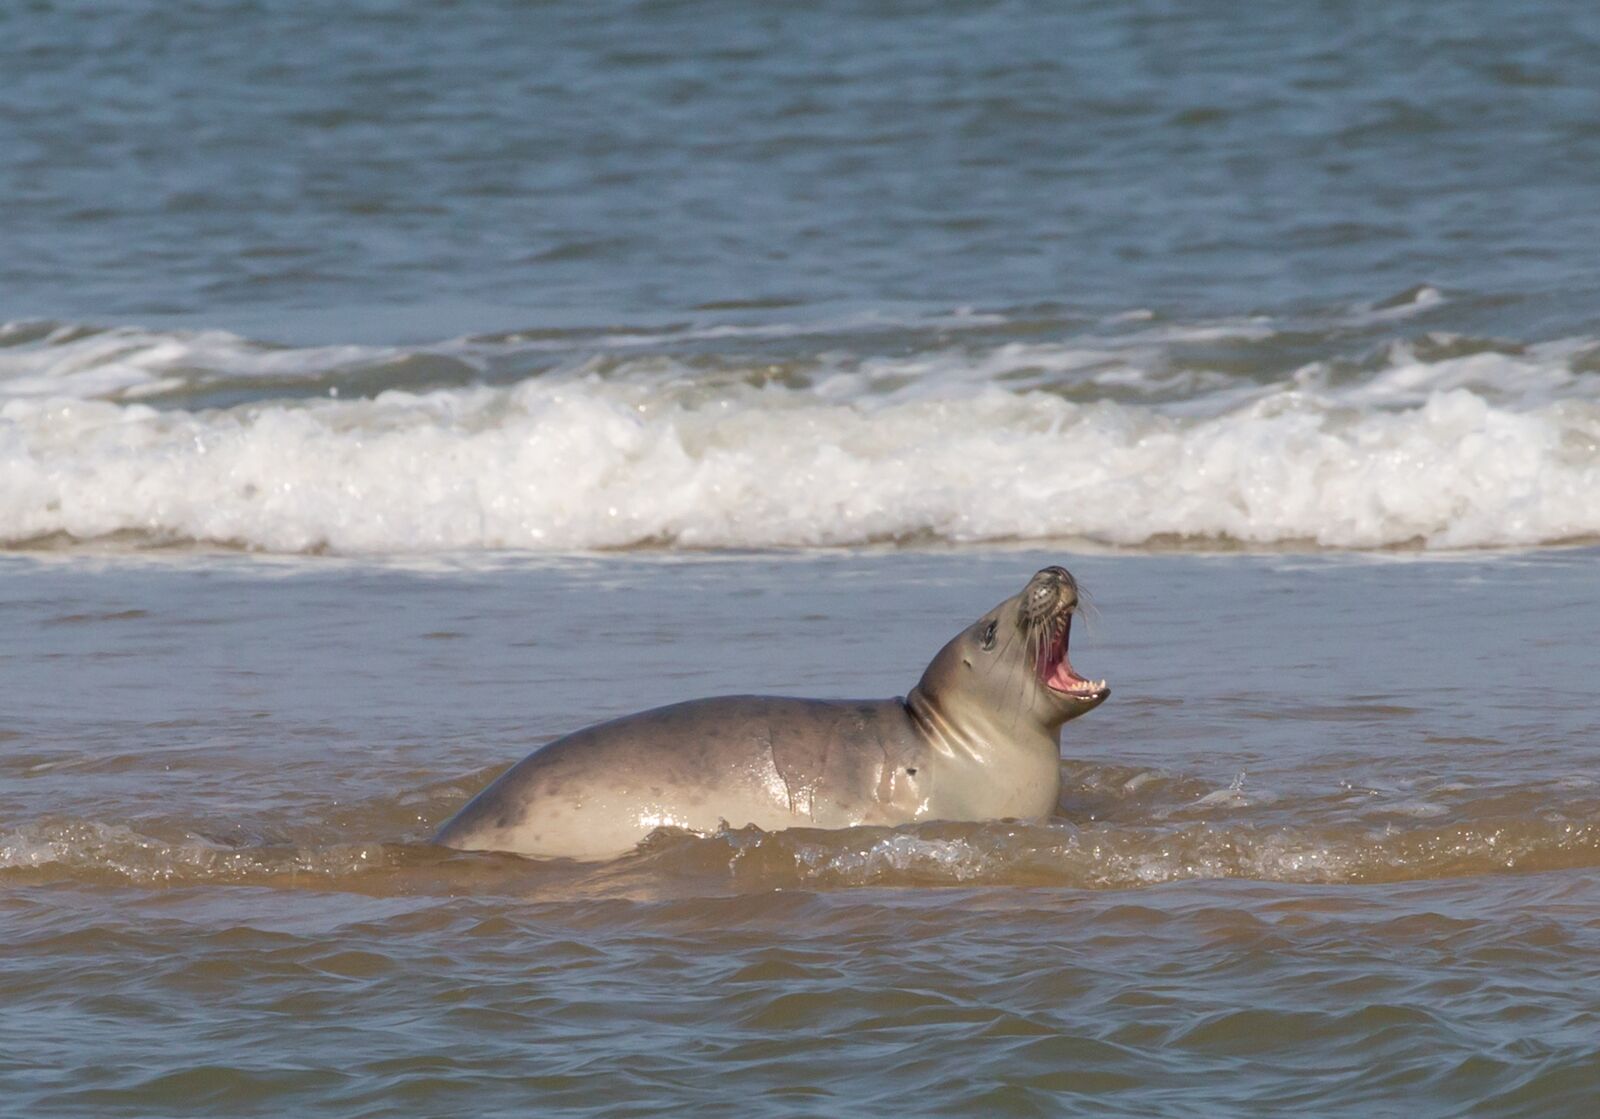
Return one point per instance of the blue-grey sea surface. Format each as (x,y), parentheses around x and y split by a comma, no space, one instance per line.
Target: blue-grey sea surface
(497,164)
(390,387)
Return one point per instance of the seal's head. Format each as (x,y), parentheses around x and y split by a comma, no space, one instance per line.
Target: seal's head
(1014,658)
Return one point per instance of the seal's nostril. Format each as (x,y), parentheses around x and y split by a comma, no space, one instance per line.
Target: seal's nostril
(1056,576)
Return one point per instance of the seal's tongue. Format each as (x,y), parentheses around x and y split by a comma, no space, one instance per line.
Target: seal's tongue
(1058,669)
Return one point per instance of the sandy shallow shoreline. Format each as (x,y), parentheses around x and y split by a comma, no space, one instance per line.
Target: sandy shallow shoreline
(1333,841)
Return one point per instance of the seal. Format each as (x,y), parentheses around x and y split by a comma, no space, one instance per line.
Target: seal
(978,738)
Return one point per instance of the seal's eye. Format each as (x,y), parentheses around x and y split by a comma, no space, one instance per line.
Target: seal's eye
(988,635)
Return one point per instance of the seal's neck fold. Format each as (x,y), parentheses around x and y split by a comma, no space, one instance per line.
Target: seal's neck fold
(939,731)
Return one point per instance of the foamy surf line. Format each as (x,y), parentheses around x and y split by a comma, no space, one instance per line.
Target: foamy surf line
(1001,853)
(586,464)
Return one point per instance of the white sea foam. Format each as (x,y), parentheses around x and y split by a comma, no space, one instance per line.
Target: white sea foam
(1018,441)
(79,845)
(47,360)
(128,362)
(586,464)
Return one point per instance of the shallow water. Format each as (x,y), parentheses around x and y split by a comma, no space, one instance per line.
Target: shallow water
(1334,842)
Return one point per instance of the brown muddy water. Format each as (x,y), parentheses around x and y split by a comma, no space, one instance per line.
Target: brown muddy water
(1332,847)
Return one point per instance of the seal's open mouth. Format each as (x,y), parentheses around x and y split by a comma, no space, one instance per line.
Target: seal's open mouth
(1056,670)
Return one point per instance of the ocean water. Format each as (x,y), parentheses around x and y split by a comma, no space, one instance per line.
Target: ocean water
(1333,845)
(388,388)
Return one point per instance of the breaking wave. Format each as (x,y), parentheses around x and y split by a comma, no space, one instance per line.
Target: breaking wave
(1123,439)
(1058,854)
